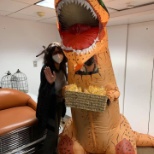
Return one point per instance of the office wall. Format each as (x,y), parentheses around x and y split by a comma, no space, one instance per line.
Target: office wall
(131,48)
(20,42)
(117,36)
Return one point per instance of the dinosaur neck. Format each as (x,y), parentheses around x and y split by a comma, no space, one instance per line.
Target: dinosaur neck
(104,77)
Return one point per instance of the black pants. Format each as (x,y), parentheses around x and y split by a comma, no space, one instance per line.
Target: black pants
(50,143)
(51,140)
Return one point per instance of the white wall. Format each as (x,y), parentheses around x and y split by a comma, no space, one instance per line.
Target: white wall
(117,36)
(20,42)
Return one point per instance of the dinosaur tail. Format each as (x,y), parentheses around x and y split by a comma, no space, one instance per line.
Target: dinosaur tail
(144,139)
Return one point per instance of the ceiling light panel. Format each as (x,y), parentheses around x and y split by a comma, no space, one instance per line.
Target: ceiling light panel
(46,3)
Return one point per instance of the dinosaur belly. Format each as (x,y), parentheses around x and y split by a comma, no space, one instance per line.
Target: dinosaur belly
(94,133)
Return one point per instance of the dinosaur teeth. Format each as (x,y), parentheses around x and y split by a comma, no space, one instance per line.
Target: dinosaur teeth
(82,3)
(78,51)
(93,14)
(83,51)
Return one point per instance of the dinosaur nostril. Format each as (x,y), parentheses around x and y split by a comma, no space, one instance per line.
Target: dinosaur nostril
(108,102)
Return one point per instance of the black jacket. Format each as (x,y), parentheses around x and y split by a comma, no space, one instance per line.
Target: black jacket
(47,104)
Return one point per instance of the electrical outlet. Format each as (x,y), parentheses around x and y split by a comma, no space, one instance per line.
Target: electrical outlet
(35,63)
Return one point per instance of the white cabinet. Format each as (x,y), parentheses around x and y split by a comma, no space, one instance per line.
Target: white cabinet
(138,76)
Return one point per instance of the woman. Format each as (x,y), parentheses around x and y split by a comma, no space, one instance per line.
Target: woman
(51,105)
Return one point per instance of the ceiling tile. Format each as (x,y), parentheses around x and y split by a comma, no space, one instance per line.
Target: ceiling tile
(126,4)
(111,10)
(32,11)
(27,1)
(23,16)
(11,6)
(129,18)
(49,20)
(140,2)
(133,11)
(4,13)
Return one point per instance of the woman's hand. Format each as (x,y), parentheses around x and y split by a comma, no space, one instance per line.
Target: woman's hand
(63,91)
(51,77)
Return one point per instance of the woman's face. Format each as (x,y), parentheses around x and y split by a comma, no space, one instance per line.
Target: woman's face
(57,56)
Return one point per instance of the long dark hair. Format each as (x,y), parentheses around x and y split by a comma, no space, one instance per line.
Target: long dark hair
(48,61)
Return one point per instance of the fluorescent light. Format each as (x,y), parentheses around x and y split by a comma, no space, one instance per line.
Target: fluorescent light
(46,3)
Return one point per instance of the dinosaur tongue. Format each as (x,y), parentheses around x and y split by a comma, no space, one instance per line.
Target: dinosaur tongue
(79,28)
(79,36)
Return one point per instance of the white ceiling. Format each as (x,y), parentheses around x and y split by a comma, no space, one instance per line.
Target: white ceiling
(121,11)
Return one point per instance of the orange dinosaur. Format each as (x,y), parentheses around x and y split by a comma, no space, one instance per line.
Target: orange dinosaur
(82,27)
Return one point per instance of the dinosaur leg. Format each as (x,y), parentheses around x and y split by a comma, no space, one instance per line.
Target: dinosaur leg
(67,141)
(144,139)
(123,147)
(123,140)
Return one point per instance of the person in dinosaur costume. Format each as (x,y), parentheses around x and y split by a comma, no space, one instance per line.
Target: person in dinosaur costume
(82,28)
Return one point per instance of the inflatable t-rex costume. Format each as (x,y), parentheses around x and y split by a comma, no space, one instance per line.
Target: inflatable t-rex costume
(82,27)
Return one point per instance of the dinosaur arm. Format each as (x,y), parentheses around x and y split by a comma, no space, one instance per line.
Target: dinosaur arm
(112,92)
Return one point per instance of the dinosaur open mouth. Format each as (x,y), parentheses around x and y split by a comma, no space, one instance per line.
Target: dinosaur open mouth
(78,25)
